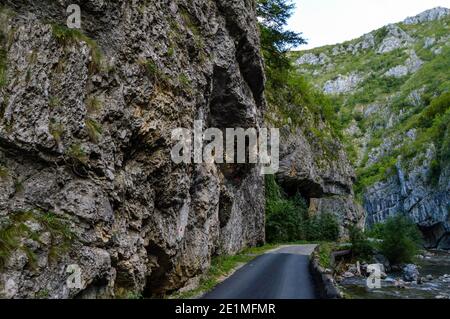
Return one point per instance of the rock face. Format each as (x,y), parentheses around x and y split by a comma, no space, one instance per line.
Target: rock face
(383,81)
(411,193)
(342,84)
(85,138)
(429,15)
(322,174)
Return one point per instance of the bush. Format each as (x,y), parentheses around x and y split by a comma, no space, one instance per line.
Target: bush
(287,218)
(284,217)
(324,227)
(401,240)
(376,231)
(284,222)
(361,246)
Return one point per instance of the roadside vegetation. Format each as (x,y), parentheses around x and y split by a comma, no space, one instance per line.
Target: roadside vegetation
(398,239)
(287,218)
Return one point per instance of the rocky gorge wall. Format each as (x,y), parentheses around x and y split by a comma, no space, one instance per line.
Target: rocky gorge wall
(383,82)
(322,174)
(85,138)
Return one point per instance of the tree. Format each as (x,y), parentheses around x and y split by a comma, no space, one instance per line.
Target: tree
(401,239)
(275,40)
(361,246)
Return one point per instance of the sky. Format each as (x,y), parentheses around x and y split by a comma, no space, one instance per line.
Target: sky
(324,22)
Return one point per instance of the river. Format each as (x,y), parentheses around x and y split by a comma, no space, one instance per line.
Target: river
(434,263)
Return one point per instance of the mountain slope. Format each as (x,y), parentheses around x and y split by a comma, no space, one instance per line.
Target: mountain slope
(391,94)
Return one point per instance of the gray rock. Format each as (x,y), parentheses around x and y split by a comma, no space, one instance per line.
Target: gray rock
(429,42)
(429,15)
(410,273)
(410,193)
(343,84)
(313,59)
(348,275)
(412,65)
(87,136)
(396,38)
(380,259)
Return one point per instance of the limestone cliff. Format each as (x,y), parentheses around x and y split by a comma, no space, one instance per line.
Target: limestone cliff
(392,87)
(85,137)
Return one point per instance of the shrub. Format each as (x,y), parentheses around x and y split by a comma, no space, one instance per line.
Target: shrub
(93,104)
(284,217)
(284,222)
(401,240)
(287,218)
(361,247)
(323,227)
(376,231)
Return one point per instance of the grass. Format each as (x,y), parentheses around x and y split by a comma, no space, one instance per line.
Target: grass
(5,39)
(94,130)
(54,102)
(324,254)
(76,152)
(56,130)
(93,104)
(154,72)
(3,171)
(67,37)
(3,66)
(13,233)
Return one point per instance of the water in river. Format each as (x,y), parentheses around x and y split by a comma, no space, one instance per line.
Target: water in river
(436,264)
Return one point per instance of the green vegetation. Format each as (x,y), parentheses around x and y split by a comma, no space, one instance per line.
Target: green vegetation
(361,246)
(287,219)
(3,48)
(432,128)
(3,171)
(222,266)
(275,40)
(54,102)
(284,217)
(324,254)
(77,153)
(16,229)
(67,36)
(323,227)
(94,130)
(401,240)
(56,130)
(93,104)
(416,102)
(155,73)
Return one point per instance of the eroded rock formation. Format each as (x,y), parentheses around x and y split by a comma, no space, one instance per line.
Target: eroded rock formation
(85,140)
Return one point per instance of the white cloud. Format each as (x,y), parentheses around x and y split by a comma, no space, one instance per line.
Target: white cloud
(333,21)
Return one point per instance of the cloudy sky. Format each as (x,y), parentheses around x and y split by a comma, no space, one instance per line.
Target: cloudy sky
(333,21)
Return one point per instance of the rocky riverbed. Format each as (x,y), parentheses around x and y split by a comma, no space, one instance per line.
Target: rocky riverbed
(433,283)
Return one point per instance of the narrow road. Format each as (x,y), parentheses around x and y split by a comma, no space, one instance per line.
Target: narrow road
(278,274)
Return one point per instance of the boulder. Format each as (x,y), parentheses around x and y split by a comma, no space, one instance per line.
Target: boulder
(410,273)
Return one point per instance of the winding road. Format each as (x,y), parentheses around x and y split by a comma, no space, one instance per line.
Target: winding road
(278,274)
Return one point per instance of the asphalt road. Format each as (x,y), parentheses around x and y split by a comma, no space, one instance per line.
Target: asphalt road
(279,274)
